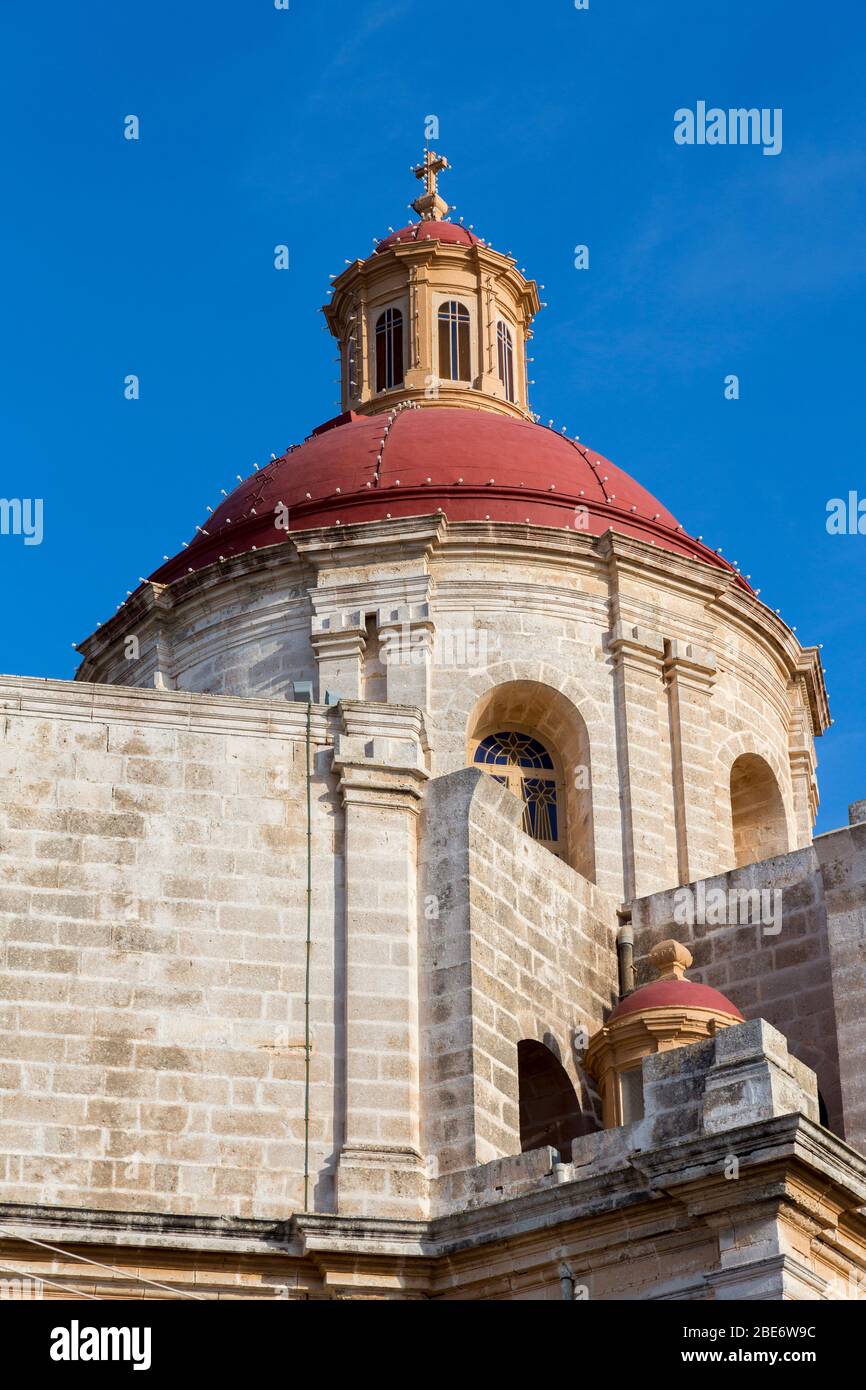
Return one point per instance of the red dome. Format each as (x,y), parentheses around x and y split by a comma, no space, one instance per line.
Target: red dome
(431,231)
(664,993)
(471,465)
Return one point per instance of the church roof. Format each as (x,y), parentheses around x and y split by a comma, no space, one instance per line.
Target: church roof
(431,230)
(470,465)
(666,994)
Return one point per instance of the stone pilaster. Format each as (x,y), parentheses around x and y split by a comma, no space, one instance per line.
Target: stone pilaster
(689,673)
(380,761)
(407,638)
(804,786)
(338,643)
(363,374)
(645,775)
(419,344)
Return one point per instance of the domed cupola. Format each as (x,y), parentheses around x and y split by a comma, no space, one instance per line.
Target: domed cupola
(669,1012)
(434,316)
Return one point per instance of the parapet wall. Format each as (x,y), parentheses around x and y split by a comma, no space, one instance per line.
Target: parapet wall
(785,939)
(741,1077)
(516,946)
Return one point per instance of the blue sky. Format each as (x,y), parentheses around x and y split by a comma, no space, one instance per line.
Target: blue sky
(261,126)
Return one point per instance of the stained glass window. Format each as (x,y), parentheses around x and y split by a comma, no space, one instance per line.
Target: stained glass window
(524,765)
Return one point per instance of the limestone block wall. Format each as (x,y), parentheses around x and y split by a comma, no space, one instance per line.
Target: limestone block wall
(650,1210)
(841,859)
(241,629)
(742,1076)
(514,945)
(557,669)
(670,670)
(807,977)
(751,716)
(152,924)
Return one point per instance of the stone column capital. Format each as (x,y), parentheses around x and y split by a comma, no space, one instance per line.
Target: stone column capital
(373,783)
(333,641)
(338,639)
(636,647)
(380,755)
(690,665)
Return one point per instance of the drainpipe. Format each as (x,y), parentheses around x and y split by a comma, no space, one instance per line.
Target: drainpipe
(625,952)
(566,1282)
(309,949)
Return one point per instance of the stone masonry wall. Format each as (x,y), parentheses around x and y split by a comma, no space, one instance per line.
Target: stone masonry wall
(841,856)
(516,946)
(787,978)
(152,922)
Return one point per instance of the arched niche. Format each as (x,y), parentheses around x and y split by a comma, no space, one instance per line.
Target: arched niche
(760,827)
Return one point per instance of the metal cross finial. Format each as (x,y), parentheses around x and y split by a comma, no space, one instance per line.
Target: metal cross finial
(430,205)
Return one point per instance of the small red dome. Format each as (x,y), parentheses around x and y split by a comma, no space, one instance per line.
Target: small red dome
(470,465)
(686,994)
(431,230)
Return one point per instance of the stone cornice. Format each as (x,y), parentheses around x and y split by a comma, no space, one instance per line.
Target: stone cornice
(427,252)
(372,719)
(393,546)
(191,712)
(725,599)
(636,649)
(379,543)
(786,1160)
(152,603)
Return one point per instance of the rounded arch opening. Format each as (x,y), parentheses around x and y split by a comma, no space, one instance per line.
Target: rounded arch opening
(760,826)
(389,349)
(550,1111)
(454,341)
(549,724)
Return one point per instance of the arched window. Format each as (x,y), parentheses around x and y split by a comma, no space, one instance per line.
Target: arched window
(389,350)
(454,342)
(505,348)
(525,767)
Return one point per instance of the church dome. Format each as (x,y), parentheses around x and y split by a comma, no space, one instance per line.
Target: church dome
(430,230)
(674,994)
(669,1012)
(468,465)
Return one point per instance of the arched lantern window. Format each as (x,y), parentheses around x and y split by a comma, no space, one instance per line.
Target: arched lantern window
(505,351)
(389,350)
(454,342)
(523,765)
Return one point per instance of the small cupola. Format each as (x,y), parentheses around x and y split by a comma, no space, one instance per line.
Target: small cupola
(669,1012)
(434,316)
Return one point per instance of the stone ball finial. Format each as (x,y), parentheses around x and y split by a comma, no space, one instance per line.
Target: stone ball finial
(671,959)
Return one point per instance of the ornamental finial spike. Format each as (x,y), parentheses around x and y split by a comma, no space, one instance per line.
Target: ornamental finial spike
(671,959)
(429,205)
